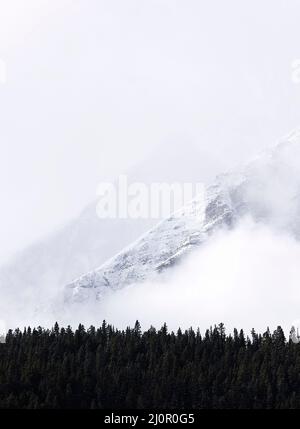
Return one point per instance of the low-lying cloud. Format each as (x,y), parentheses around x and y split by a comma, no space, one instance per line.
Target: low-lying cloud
(245,278)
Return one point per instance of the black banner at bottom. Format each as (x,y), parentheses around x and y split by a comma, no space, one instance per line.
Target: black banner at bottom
(148,418)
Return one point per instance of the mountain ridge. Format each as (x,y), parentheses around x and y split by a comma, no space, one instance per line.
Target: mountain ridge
(260,189)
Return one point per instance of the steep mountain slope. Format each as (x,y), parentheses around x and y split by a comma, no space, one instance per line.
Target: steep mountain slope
(267,189)
(87,241)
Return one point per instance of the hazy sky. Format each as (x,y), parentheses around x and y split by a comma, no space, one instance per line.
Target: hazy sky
(93,86)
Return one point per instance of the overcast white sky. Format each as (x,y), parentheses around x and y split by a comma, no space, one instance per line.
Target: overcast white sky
(93,86)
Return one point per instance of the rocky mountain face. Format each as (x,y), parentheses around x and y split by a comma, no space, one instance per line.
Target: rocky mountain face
(267,189)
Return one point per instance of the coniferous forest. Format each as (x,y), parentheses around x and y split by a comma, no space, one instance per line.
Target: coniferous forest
(112,369)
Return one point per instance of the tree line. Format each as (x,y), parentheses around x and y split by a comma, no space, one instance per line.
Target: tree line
(112,369)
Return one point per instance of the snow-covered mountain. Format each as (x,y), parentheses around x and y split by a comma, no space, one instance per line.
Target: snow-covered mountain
(266,189)
(87,241)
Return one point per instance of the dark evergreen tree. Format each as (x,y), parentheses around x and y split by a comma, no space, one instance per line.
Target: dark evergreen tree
(108,368)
